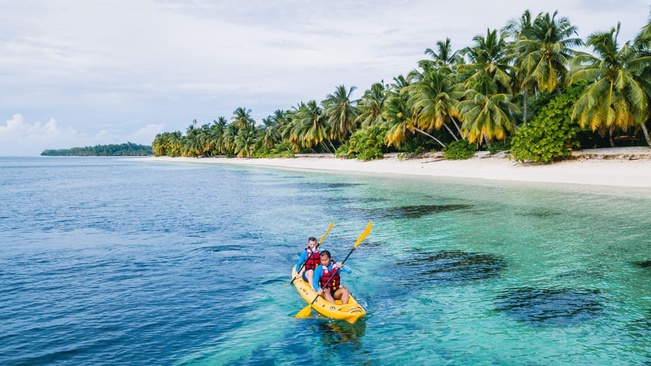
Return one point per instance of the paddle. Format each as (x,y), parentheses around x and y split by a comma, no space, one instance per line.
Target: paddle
(305,312)
(317,245)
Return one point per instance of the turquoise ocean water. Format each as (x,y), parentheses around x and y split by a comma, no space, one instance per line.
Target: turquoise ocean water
(131,261)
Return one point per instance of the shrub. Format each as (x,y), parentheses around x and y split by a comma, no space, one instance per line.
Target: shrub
(551,135)
(366,144)
(459,150)
(500,146)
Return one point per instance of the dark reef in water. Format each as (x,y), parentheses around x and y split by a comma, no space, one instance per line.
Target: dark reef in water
(540,306)
(453,267)
(322,186)
(413,212)
(643,264)
(540,213)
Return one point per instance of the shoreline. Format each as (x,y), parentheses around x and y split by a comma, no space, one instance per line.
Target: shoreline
(616,167)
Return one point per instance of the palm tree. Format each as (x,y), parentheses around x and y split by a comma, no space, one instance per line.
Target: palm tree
(167,144)
(341,112)
(245,141)
(519,29)
(443,57)
(434,99)
(230,134)
(270,132)
(543,52)
(217,130)
(615,97)
(642,45)
(191,144)
(398,117)
(487,116)
(371,106)
(487,109)
(309,126)
(242,118)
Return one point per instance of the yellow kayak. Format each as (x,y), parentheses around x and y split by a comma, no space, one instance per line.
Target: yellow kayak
(349,312)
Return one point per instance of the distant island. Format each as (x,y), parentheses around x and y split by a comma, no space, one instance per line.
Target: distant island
(126,149)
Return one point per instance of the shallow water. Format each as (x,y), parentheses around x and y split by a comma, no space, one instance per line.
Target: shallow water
(125,261)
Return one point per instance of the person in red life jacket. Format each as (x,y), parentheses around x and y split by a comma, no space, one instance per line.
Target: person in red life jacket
(327,280)
(311,258)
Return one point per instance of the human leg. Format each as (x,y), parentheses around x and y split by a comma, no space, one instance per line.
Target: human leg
(342,294)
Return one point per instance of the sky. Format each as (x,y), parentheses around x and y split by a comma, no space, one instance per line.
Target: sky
(77,73)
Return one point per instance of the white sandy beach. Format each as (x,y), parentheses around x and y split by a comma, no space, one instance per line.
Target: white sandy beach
(618,167)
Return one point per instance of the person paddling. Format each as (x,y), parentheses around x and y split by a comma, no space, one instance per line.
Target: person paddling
(310,258)
(327,279)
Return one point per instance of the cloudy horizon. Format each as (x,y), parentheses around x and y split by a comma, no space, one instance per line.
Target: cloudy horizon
(82,73)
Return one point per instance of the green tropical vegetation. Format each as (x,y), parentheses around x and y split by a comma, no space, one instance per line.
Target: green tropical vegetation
(126,149)
(534,88)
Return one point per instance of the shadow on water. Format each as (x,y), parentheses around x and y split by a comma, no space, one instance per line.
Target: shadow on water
(320,185)
(451,267)
(540,306)
(639,332)
(338,333)
(642,264)
(416,211)
(334,340)
(393,213)
(539,213)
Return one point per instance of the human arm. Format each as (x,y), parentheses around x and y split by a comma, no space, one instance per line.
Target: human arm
(301,260)
(343,269)
(317,278)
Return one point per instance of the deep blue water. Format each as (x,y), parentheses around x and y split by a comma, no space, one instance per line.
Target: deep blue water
(132,261)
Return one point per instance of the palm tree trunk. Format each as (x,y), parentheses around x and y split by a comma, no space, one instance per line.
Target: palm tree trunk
(430,136)
(646,134)
(451,133)
(457,126)
(524,109)
(610,137)
(332,145)
(323,144)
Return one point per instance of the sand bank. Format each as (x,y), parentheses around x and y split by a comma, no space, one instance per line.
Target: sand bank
(619,167)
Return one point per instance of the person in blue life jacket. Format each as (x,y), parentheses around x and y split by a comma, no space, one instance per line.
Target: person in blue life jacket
(311,258)
(327,274)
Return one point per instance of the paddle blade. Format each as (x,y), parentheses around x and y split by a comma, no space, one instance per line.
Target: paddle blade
(364,234)
(305,312)
(326,233)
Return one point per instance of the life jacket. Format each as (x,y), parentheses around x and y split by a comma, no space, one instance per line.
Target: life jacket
(313,259)
(333,285)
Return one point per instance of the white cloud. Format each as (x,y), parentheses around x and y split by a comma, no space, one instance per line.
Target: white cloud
(21,138)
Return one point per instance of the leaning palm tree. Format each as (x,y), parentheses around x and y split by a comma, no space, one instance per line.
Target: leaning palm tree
(434,98)
(615,97)
(398,118)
